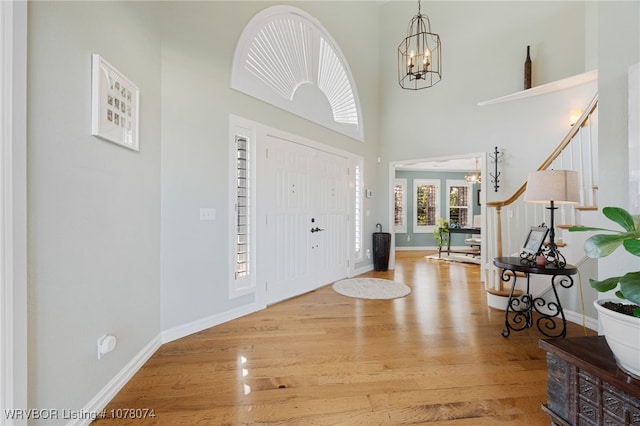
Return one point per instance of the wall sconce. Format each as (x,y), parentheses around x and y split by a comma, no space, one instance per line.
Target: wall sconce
(496,158)
(574,116)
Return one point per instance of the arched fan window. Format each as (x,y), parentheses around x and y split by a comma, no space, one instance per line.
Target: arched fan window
(285,57)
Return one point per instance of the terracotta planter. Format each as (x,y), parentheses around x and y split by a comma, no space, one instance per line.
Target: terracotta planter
(622,333)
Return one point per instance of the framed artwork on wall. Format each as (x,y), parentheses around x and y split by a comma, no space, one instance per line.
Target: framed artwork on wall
(114,105)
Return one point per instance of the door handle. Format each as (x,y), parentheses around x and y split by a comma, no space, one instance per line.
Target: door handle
(316,229)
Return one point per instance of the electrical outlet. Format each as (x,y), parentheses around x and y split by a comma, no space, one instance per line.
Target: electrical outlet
(207,214)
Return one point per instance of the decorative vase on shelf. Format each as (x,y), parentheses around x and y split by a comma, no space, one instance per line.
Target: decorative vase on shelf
(527,70)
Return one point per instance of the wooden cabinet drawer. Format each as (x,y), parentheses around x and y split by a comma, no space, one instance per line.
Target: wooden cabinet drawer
(613,405)
(588,412)
(634,414)
(588,387)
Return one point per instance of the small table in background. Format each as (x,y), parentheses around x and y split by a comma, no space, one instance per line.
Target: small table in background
(459,231)
(522,308)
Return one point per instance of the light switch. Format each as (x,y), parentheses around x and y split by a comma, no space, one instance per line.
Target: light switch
(207,214)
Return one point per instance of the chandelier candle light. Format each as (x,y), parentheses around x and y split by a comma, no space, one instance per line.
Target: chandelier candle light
(419,55)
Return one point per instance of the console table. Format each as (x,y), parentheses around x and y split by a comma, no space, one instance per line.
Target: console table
(459,231)
(523,307)
(586,387)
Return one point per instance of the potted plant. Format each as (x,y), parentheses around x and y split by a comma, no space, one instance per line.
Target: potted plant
(441,232)
(620,319)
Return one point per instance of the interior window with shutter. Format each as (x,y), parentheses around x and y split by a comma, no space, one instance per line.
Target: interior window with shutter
(242,280)
(357,210)
(400,206)
(426,202)
(458,203)
(242,207)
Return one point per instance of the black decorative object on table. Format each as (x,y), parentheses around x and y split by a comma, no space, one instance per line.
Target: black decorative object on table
(519,312)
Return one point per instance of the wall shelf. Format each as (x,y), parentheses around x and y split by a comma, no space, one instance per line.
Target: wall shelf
(554,86)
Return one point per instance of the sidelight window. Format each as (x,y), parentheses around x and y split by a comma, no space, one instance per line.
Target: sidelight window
(241,220)
(357,210)
(242,207)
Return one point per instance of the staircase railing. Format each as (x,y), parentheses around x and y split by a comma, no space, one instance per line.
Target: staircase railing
(509,220)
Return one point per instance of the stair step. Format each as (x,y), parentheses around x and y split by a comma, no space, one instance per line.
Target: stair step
(518,274)
(505,293)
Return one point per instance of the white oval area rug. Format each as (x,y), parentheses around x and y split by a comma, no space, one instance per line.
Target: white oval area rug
(371,288)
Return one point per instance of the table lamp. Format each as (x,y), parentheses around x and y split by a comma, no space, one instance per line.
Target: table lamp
(553,187)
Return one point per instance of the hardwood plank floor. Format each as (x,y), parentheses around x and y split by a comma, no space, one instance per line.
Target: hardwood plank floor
(433,357)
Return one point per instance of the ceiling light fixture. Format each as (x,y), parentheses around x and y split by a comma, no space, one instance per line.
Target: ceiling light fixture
(474,176)
(419,55)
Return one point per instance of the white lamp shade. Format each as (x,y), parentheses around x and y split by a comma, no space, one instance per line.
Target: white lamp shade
(559,186)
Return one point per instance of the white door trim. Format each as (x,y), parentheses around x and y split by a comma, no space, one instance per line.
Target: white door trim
(261,133)
(13,214)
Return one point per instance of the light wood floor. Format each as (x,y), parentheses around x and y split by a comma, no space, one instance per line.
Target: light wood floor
(433,357)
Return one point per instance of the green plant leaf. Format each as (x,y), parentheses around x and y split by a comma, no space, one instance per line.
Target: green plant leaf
(605,285)
(636,312)
(632,246)
(620,216)
(619,295)
(630,286)
(603,245)
(588,228)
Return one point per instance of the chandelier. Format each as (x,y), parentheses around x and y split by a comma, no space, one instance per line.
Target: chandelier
(419,55)
(474,176)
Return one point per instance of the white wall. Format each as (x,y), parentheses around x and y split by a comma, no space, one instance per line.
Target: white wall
(94,207)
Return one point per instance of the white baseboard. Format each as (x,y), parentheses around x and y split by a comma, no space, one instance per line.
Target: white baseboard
(202,324)
(100,401)
(422,248)
(362,270)
(578,318)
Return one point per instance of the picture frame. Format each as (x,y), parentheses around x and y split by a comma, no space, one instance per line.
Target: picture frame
(115,103)
(535,239)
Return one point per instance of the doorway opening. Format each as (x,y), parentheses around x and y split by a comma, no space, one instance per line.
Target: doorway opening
(413,219)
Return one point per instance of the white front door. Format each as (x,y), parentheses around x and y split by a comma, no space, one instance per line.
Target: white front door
(304,198)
